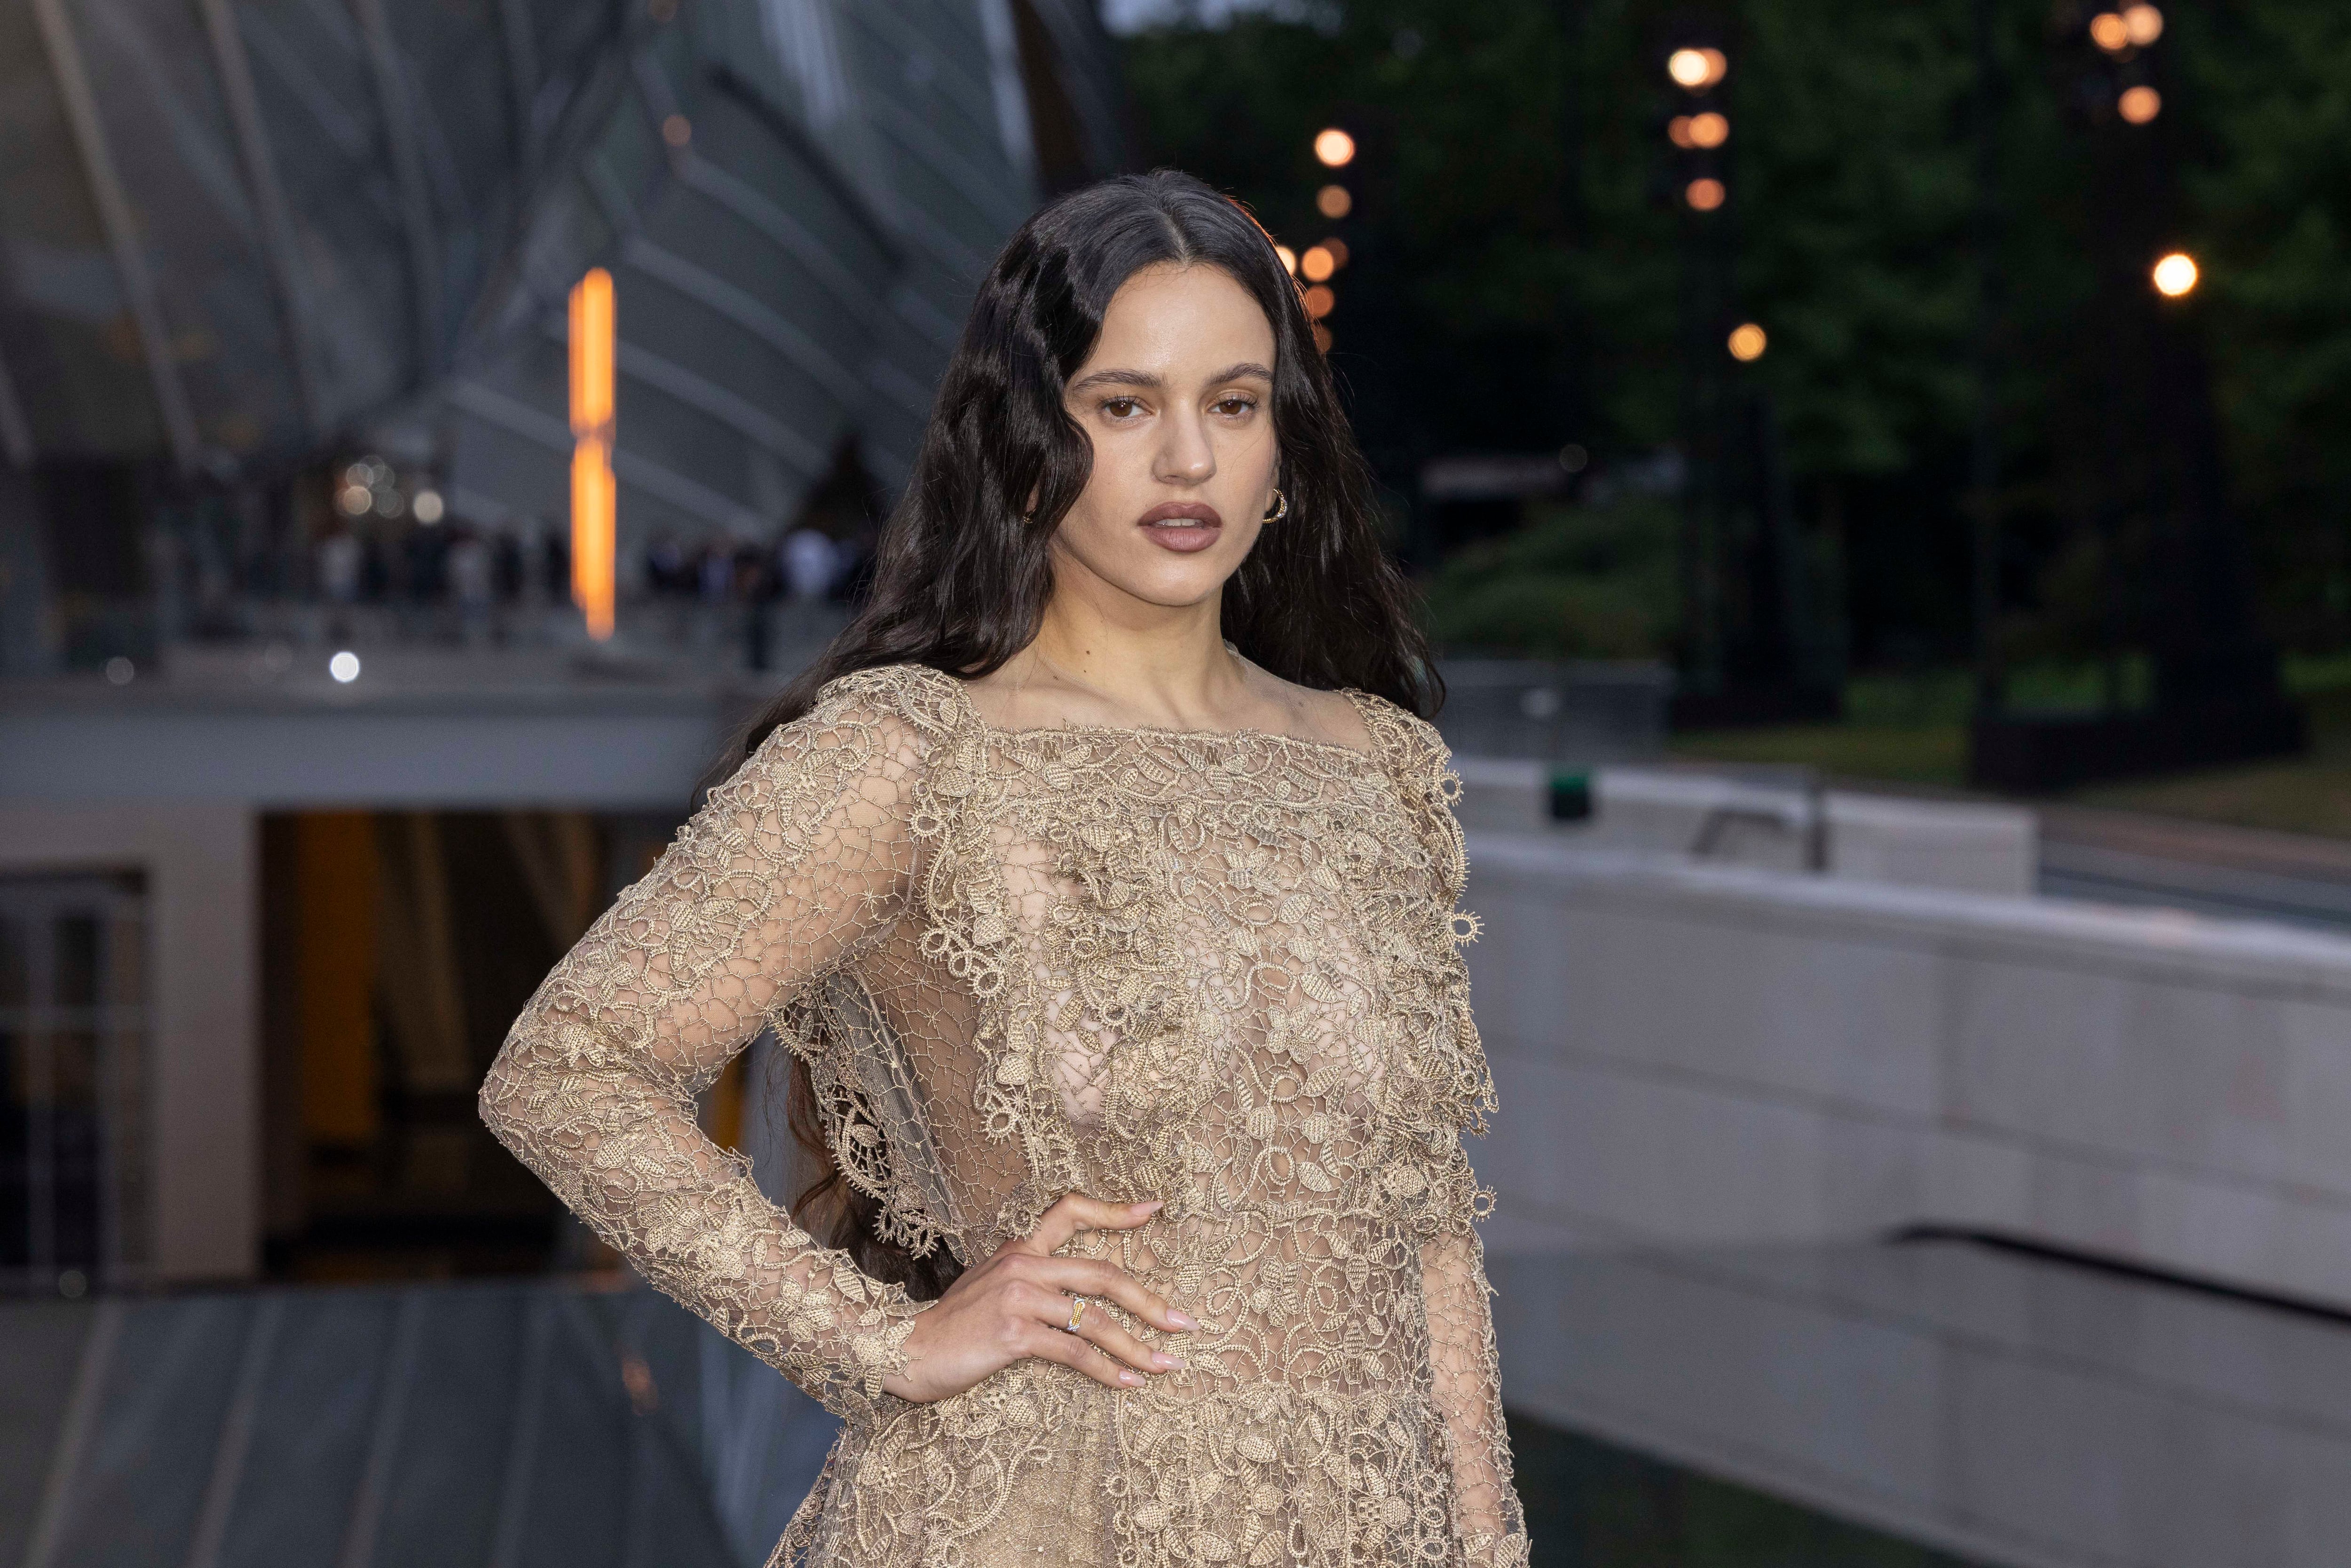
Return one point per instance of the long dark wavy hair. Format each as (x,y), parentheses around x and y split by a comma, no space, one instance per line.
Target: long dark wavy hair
(964,570)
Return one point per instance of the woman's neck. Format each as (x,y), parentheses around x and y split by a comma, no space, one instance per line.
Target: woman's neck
(1106,657)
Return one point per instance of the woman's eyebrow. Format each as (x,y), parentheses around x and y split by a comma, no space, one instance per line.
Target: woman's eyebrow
(1245,369)
(1116,378)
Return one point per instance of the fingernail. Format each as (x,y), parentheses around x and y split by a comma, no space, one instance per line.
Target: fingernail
(1161,1358)
(1181,1320)
(1147,1204)
(1130,1377)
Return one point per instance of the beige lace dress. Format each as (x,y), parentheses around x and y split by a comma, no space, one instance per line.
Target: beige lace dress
(1218,969)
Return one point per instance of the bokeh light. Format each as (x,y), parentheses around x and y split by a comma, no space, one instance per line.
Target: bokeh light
(1334,147)
(2110,32)
(2176,273)
(354,500)
(1697,69)
(1748,342)
(2144,23)
(1333,202)
(428,506)
(1338,249)
(1677,131)
(1704,194)
(1320,300)
(1287,258)
(2139,104)
(1708,130)
(344,666)
(1322,337)
(1316,264)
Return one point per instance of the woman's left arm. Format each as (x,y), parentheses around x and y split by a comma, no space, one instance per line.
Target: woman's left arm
(1466,1385)
(1465,1373)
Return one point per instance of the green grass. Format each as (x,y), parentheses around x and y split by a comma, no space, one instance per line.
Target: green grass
(1912,729)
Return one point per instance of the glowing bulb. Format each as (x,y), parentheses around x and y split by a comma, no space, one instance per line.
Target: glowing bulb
(1287,258)
(2139,104)
(429,507)
(1338,249)
(2144,24)
(1697,69)
(1317,265)
(1333,202)
(1708,130)
(2110,32)
(1321,301)
(1677,131)
(1748,342)
(1335,148)
(355,500)
(1704,195)
(2176,273)
(344,666)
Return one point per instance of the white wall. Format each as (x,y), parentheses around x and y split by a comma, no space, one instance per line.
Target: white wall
(200,862)
(1697,1055)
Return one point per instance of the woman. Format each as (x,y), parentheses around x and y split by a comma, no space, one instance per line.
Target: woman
(1100,879)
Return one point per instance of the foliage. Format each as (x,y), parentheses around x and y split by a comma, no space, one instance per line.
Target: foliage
(1520,261)
(1576,582)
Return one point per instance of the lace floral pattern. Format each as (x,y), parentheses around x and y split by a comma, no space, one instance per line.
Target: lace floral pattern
(1222,970)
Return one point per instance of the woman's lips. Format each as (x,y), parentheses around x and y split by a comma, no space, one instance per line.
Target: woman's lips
(1181,525)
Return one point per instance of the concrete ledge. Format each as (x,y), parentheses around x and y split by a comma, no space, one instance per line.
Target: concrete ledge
(1701,1055)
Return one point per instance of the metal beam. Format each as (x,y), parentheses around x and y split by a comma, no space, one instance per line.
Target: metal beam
(522,76)
(236,72)
(234,1443)
(115,216)
(16,429)
(82,1411)
(661,481)
(752,314)
(394,105)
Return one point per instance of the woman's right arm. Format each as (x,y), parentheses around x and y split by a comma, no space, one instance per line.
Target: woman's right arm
(791,864)
(800,857)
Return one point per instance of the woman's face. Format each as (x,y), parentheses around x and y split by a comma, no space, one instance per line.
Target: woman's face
(1176,398)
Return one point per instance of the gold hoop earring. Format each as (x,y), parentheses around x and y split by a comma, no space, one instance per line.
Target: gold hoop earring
(1280,508)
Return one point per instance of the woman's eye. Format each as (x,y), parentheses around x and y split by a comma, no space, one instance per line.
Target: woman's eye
(1122,407)
(1235,406)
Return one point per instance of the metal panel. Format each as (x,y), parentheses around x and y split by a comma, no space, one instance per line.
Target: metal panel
(114,212)
(270,202)
(397,106)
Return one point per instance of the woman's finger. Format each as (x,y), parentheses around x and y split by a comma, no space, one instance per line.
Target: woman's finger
(1074,1211)
(1092,1277)
(1070,1350)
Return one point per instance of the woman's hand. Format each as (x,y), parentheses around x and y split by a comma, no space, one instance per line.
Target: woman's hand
(1017,1304)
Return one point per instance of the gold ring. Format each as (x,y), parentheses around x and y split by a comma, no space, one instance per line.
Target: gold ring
(1077,1310)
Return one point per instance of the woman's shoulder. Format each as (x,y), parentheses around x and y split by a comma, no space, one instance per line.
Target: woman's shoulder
(1407,745)
(931,700)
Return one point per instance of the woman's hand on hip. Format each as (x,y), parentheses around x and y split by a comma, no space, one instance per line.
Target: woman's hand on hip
(1019,1302)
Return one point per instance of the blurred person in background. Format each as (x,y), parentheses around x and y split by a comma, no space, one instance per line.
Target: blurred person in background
(1101,881)
(811,561)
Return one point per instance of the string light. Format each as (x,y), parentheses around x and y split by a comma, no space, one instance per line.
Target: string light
(1287,258)
(1320,300)
(1334,147)
(2142,24)
(1317,265)
(1697,69)
(1704,194)
(2110,32)
(1333,202)
(2139,104)
(1748,342)
(2176,273)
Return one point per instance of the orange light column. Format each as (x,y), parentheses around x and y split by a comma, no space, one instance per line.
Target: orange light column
(594,498)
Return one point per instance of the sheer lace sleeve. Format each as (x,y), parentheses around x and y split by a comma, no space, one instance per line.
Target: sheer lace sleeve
(791,865)
(1466,1373)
